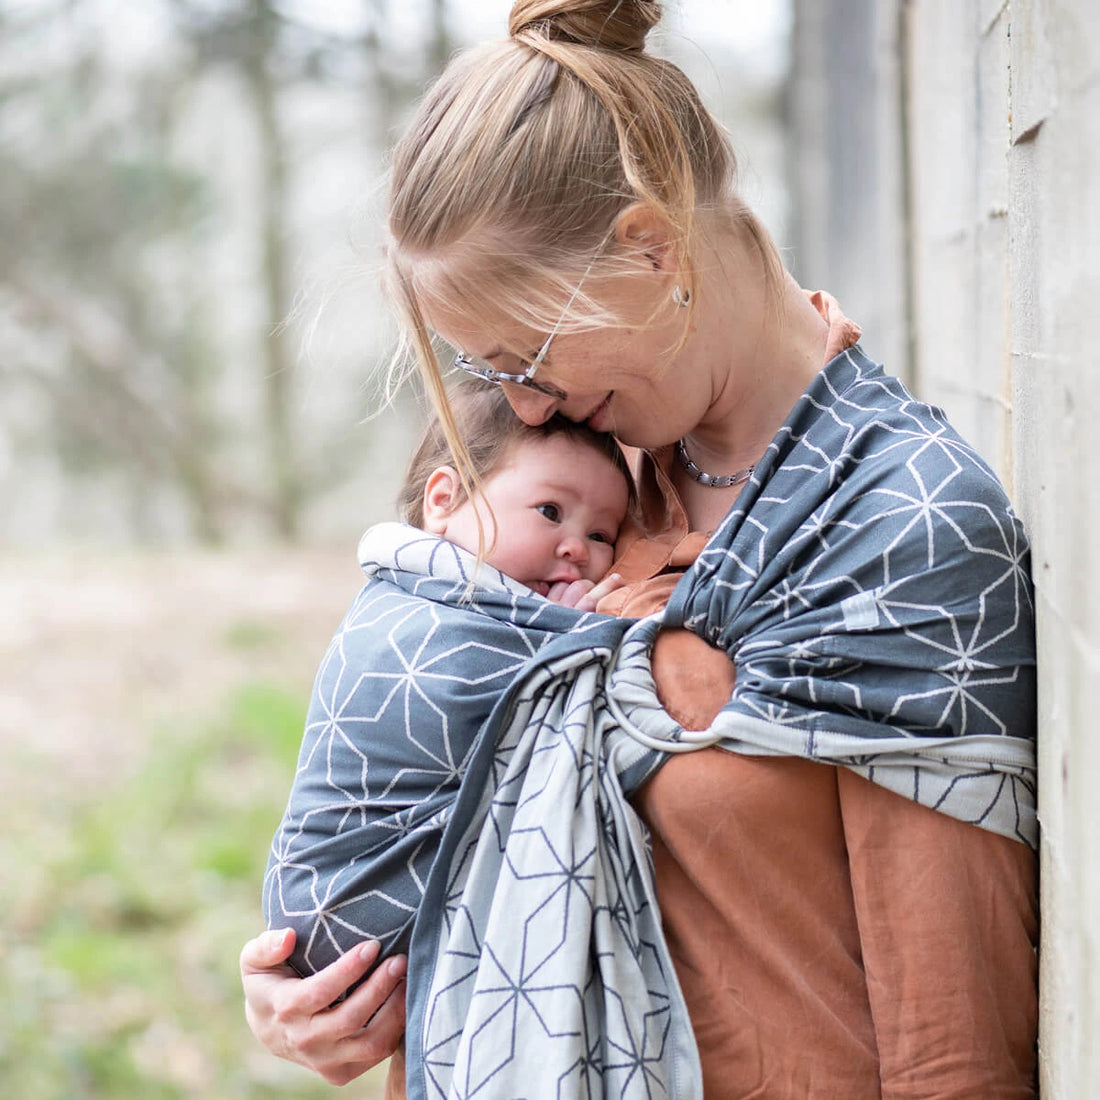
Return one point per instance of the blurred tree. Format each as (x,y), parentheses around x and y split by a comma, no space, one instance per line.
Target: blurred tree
(272,51)
(84,192)
(108,237)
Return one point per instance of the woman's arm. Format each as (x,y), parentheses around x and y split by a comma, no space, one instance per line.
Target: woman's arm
(694,680)
(298,1019)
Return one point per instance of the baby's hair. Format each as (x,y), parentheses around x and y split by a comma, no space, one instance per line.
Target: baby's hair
(490,430)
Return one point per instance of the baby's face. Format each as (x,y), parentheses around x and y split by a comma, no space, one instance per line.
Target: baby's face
(558,506)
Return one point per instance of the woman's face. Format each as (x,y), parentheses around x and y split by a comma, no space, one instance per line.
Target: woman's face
(645,383)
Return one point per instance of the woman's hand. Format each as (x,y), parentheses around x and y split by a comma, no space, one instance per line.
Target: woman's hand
(292,1016)
(694,680)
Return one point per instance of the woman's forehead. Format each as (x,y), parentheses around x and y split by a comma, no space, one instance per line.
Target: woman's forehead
(483,337)
(482,311)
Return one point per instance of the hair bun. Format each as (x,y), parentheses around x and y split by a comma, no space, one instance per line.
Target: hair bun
(605,24)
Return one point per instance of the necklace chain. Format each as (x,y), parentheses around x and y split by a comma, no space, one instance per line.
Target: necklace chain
(715,481)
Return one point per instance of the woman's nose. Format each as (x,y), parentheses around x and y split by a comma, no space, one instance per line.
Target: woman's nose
(573,548)
(529,405)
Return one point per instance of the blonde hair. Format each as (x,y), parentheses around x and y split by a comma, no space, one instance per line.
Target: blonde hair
(490,431)
(508,182)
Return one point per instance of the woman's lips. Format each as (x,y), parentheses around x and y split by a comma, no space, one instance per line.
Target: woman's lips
(598,419)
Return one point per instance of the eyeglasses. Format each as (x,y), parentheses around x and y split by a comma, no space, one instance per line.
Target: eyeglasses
(481,369)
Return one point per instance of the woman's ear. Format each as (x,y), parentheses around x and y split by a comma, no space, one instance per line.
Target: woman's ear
(639,227)
(442,494)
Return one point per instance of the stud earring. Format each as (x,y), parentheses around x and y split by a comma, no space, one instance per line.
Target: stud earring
(681,296)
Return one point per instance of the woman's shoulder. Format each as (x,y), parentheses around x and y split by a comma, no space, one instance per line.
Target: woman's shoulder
(870,426)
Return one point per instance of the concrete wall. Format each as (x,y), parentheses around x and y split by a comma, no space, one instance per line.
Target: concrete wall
(847,161)
(991,112)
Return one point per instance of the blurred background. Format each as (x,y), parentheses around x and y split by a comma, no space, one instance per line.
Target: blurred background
(192,435)
(192,438)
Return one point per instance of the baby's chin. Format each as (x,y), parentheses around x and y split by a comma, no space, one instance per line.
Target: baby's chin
(541,587)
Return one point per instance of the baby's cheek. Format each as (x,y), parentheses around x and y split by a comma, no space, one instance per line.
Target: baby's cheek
(601,560)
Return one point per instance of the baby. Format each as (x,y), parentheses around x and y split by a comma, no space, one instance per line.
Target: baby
(419,663)
(551,500)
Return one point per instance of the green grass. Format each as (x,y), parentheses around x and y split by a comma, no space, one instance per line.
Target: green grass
(127,908)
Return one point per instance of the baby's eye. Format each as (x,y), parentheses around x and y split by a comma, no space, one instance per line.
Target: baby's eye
(551,511)
(599,536)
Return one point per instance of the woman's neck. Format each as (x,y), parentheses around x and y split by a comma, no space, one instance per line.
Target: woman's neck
(758,370)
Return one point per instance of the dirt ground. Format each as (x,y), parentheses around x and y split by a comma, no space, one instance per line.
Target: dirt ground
(96,647)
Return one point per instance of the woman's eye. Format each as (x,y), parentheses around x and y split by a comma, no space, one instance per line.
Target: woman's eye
(551,511)
(599,536)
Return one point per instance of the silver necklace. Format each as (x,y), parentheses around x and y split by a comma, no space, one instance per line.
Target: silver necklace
(715,481)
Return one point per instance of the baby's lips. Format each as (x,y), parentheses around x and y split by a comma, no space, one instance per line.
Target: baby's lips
(565,578)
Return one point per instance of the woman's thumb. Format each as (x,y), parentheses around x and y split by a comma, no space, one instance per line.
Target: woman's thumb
(268,949)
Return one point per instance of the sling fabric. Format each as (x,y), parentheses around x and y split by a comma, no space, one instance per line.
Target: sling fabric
(469,750)
(872,586)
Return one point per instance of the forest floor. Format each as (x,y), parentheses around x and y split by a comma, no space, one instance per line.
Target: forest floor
(150,711)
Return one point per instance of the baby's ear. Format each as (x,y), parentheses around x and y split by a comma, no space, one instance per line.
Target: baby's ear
(442,494)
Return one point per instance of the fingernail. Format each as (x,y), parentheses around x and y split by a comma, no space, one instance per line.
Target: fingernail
(398,966)
(369,950)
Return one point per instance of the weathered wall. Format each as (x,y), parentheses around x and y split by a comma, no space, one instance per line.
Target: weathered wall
(848,167)
(997,106)
(1054,266)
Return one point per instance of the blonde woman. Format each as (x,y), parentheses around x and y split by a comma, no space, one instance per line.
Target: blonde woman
(847,878)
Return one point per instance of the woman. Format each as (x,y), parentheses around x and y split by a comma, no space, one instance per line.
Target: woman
(564,211)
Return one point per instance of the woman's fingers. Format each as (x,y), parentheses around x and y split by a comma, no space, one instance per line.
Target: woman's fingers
(386,1018)
(364,1051)
(304,1020)
(369,1003)
(339,1046)
(608,585)
(321,989)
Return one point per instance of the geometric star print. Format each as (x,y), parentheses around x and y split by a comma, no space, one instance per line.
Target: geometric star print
(403,723)
(400,698)
(886,621)
(462,790)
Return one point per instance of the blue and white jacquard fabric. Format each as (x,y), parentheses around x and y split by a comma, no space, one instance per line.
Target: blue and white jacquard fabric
(872,585)
(462,785)
(463,782)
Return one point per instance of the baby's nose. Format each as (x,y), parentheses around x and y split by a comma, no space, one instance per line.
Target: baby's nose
(573,548)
